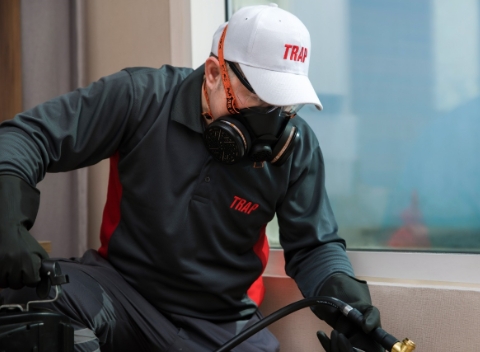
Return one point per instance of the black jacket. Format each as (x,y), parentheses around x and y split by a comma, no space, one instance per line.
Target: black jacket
(185,230)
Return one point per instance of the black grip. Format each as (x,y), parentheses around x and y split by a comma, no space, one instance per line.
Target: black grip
(50,275)
(384,338)
(379,335)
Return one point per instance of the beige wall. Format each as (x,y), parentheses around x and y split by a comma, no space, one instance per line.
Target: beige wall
(124,33)
(121,33)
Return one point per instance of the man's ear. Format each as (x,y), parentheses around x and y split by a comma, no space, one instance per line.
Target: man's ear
(213,74)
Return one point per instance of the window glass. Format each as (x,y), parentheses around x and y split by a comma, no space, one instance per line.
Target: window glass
(400,129)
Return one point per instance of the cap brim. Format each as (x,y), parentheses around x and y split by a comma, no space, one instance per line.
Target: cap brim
(281,88)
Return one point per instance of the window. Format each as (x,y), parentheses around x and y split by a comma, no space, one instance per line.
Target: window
(399,81)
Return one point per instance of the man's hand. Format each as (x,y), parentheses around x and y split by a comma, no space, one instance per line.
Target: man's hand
(347,335)
(20,259)
(20,254)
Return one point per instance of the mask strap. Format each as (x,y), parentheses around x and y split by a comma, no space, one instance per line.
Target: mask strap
(231,102)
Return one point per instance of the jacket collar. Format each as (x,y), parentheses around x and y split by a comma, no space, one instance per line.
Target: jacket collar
(187,105)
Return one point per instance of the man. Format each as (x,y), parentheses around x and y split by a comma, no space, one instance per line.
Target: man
(200,163)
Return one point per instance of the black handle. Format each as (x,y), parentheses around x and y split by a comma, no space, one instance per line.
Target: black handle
(50,275)
(379,335)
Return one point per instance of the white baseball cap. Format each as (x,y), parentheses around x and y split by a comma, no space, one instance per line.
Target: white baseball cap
(272,47)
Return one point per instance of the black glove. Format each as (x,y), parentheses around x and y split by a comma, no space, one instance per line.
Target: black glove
(347,334)
(20,254)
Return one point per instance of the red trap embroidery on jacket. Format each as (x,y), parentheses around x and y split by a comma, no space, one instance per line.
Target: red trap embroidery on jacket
(243,205)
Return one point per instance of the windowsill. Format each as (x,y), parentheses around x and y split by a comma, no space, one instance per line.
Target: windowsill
(441,270)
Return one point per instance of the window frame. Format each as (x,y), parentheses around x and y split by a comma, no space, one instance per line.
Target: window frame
(446,268)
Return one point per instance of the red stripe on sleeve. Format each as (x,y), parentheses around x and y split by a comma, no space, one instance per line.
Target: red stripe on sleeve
(111,212)
(256,292)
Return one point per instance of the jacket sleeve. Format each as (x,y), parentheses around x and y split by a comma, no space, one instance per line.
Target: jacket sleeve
(308,230)
(69,132)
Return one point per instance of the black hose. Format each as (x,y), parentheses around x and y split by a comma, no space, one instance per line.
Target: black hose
(379,335)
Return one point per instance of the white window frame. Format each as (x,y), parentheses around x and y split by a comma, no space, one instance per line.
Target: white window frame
(439,268)
(205,16)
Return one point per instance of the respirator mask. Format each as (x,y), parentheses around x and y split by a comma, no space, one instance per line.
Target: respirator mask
(262,137)
(261,133)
